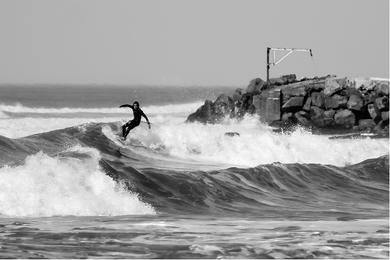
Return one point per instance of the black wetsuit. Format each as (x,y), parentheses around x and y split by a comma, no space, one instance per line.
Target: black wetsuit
(135,122)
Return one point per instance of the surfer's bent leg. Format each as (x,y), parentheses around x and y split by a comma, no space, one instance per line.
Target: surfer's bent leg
(124,129)
(130,126)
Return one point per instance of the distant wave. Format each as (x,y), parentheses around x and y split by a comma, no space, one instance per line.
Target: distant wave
(25,126)
(3,115)
(18,120)
(65,172)
(154,109)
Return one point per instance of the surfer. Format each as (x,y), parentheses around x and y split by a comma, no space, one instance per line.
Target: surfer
(137,112)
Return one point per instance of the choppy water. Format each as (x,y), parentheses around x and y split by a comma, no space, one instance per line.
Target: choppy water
(69,187)
(192,237)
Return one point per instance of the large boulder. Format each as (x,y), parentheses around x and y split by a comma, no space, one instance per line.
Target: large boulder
(301,117)
(245,105)
(290,78)
(317,116)
(335,101)
(321,118)
(333,85)
(223,98)
(369,97)
(256,101)
(318,99)
(246,101)
(237,94)
(382,88)
(294,90)
(307,104)
(316,112)
(355,102)
(283,80)
(255,86)
(317,85)
(293,104)
(202,114)
(345,118)
(382,103)
(382,127)
(223,106)
(287,116)
(329,113)
(366,124)
(351,91)
(211,112)
(374,112)
(385,116)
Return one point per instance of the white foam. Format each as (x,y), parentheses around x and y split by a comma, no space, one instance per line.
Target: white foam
(49,186)
(257,144)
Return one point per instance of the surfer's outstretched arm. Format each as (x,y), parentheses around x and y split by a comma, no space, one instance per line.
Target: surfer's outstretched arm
(127,105)
(147,120)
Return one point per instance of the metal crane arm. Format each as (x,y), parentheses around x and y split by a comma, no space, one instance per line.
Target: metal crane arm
(275,62)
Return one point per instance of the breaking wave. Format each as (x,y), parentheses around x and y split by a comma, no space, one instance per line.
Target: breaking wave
(256,144)
(192,168)
(72,184)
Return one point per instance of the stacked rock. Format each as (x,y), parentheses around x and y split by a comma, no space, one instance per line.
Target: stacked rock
(239,104)
(322,103)
(338,103)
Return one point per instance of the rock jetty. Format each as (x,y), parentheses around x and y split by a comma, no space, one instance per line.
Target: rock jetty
(326,104)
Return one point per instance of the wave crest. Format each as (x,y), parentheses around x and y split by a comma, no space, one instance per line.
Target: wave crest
(49,186)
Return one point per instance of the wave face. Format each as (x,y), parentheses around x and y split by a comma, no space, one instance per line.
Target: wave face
(192,168)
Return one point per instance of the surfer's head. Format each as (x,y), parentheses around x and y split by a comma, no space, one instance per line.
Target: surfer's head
(136,104)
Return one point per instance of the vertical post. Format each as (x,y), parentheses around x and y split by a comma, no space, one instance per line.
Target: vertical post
(268,50)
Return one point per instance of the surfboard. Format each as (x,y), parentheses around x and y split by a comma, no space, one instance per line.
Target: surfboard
(130,141)
(121,139)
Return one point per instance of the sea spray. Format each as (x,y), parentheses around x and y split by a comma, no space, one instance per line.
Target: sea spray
(49,186)
(257,144)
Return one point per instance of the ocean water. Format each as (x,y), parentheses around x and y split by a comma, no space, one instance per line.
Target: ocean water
(70,188)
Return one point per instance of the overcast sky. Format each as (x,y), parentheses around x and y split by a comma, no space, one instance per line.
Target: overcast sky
(192,42)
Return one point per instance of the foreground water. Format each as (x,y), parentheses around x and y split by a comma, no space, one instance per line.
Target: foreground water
(192,237)
(70,188)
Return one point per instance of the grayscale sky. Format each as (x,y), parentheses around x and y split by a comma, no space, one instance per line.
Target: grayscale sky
(192,42)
